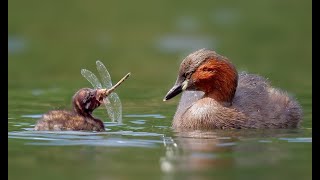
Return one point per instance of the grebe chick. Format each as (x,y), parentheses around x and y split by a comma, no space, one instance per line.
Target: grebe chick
(84,102)
(216,97)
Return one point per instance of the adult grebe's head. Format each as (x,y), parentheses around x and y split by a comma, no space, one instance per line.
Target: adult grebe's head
(206,71)
(86,100)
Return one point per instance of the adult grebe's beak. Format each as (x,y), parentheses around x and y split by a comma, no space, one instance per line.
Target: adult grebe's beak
(180,85)
(175,90)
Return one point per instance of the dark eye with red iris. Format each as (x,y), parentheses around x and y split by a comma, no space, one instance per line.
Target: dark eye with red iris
(208,69)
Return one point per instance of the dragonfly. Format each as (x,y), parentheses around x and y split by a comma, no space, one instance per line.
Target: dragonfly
(112,100)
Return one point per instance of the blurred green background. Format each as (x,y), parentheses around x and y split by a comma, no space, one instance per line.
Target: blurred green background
(51,41)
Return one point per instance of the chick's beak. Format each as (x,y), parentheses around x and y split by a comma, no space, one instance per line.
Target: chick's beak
(101,94)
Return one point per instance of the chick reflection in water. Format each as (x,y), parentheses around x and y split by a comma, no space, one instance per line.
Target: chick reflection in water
(84,102)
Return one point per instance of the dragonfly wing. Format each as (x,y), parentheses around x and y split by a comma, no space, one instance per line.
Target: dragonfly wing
(91,78)
(104,75)
(112,102)
(114,108)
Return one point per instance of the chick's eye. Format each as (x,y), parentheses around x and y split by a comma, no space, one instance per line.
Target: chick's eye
(88,97)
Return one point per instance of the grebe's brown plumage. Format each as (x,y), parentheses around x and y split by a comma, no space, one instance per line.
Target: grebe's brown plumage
(216,96)
(84,102)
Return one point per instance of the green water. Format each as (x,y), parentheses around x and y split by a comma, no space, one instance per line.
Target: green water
(51,41)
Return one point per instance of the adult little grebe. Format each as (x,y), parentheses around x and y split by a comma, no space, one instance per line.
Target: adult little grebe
(84,102)
(217,97)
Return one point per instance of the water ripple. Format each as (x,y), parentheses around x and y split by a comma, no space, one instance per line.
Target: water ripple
(111,142)
(298,139)
(138,122)
(35,116)
(157,116)
(72,138)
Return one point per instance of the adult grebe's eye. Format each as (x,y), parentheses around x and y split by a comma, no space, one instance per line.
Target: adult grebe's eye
(205,69)
(208,69)
(187,75)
